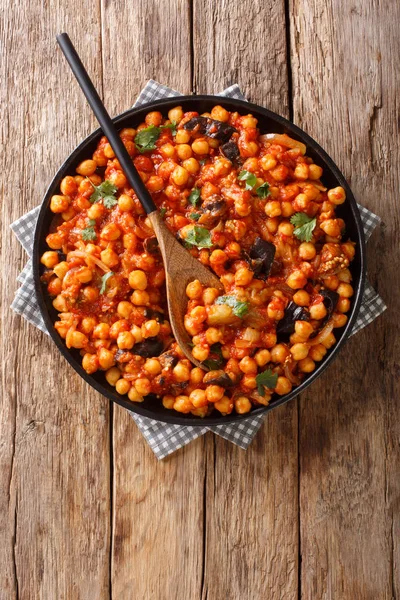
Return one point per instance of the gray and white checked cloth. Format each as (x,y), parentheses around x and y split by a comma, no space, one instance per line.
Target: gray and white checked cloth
(164,438)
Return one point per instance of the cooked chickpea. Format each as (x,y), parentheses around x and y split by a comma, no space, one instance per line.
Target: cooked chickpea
(343,305)
(122,386)
(302,298)
(268,162)
(191,165)
(339,320)
(153,118)
(262,357)
(345,290)
(152,366)
(49,259)
(86,168)
(96,211)
(113,375)
(68,186)
(175,115)
(125,340)
(213,335)
(184,151)
(285,228)
(168,401)
(317,352)
(243,276)
(301,171)
(299,351)
(106,358)
(124,309)
(88,324)
(126,202)
(337,195)
(196,375)
(137,333)
(214,393)
(181,372)
(109,257)
(180,176)
(118,179)
(59,204)
(90,363)
(273,208)
(182,136)
(225,405)
(150,328)
(307,365)
(220,114)
(54,241)
(314,172)
(198,398)
(331,227)
(242,405)
(344,275)
(200,352)
(90,293)
(307,251)
(110,232)
(318,311)
(279,353)
(329,341)
(134,395)
(296,280)
(137,280)
(303,329)
(101,331)
(200,146)
(117,327)
(194,289)
(183,404)
(142,386)
(283,386)
(210,295)
(248,365)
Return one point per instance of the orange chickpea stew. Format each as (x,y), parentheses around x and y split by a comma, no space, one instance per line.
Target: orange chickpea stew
(250,206)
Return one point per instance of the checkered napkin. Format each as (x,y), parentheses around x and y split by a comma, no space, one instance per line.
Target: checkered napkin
(162,437)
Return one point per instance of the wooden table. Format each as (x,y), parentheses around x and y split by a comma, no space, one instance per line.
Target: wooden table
(311,510)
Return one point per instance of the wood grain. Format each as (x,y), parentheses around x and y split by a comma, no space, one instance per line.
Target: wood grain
(158,506)
(344,82)
(54,449)
(251,497)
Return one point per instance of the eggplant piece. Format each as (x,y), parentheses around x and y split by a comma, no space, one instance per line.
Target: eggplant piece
(168,360)
(151,245)
(150,347)
(231,151)
(210,127)
(262,256)
(150,313)
(212,211)
(218,377)
(293,313)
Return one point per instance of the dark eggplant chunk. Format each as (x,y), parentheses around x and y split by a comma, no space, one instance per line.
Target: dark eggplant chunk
(231,151)
(218,377)
(212,211)
(262,255)
(168,360)
(210,127)
(293,313)
(150,313)
(148,348)
(151,245)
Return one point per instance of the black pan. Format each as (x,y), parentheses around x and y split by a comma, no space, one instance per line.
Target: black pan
(268,122)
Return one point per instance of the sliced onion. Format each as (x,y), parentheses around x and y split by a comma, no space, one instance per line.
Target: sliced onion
(323,334)
(90,257)
(289,373)
(285,140)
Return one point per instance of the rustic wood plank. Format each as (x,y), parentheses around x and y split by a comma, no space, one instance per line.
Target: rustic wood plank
(251,497)
(54,451)
(157,506)
(344,85)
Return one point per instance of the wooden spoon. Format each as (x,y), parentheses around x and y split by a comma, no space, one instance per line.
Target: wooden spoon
(180,266)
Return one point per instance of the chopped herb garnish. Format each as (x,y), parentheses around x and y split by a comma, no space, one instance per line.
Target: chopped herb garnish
(163,212)
(105,191)
(305,226)
(195,216)
(194,197)
(215,359)
(146,138)
(263,190)
(89,234)
(267,379)
(199,236)
(249,178)
(239,308)
(104,280)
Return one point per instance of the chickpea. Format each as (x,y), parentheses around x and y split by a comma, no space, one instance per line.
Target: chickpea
(59,204)
(339,320)
(96,211)
(242,405)
(152,366)
(125,340)
(179,176)
(168,150)
(345,275)
(61,269)
(318,311)
(220,114)
(311,191)
(138,280)
(109,257)
(214,393)
(307,251)
(268,162)
(110,232)
(137,333)
(49,259)
(213,336)
(301,171)
(129,241)
(210,295)
(302,298)
(184,151)
(198,398)
(262,357)
(113,375)
(90,293)
(76,339)
(331,227)
(68,214)
(153,118)
(134,395)
(175,115)
(101,331)
(124,309)
(181,372)
(90,363)
(200,352)
(337,195)
(225,405)
(150,328)
(200,146)
(183,404)
(317,352)
(303,329)
(345,290)
(272,225)
(122,386)
(182,136)
(86,168)
(249,381)
(299,351)
(117,327)
(218,257)
(249,148)
(279,353)
(283,386)
(168,401)
(248,365)
(68,186)
(125,202)
(243,276)
(285,228)
(194,289)
(296,280)
(314,172)
(142,386)
(54,241)
(140,298)
(329,341)
(55,286)
(331,282)
(273,208)
(191,165)
(118,179)
(343,305)
(155,183)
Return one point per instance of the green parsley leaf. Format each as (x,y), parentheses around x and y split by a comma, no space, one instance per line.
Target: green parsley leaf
(194,197)
(146,139)
(195,216)
(215,359)
(105,191)
(239,308)
(268,379)
(305,226)
(163,212)
(199,236)
(89,234)
(104,280)
(263,190)
(249,178)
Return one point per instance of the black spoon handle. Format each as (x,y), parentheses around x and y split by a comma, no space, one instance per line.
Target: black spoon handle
(105,122)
